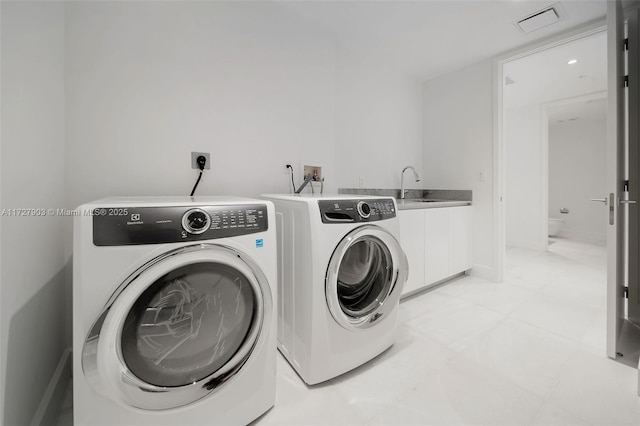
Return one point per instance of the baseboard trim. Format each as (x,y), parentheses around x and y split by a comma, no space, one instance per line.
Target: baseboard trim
(483,271)
(428,287)
(587,237)
(49,406)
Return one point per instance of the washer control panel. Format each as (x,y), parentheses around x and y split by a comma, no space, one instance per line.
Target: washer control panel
(356,210)
(156,225)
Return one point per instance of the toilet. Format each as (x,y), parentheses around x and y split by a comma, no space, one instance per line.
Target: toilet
(555,225)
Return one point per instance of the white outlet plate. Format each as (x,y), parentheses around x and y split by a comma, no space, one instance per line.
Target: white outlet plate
(194,160)
(286,170)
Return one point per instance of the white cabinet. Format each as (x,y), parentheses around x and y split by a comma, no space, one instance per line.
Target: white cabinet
(412,242)
(459,239)
(437,242)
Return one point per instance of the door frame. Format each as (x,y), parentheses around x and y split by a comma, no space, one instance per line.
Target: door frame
(499,222)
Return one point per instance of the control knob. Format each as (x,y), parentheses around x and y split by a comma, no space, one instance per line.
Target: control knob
(196,221)
(363,209)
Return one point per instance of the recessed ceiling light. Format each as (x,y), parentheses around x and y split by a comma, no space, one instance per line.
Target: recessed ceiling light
(572,61)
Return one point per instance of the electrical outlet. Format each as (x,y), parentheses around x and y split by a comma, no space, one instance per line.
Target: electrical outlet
(194,160)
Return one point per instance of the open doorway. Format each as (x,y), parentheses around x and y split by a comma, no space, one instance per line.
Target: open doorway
(548,103)
(622,336)
(576,145)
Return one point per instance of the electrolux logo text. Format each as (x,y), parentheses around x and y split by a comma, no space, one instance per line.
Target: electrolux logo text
(135,219)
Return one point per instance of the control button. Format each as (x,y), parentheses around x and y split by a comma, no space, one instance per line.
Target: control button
(196,221)
(363,209)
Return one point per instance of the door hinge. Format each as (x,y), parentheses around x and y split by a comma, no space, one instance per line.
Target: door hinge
(626,44)
(626,81)
(625,186)
(625,292)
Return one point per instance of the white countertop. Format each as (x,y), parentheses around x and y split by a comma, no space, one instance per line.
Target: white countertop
(410,204)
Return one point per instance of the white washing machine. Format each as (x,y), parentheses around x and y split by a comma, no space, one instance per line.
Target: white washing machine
(341,271)
(174,311)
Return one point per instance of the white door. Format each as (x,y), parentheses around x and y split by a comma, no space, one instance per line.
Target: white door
(633,124)
(615,176)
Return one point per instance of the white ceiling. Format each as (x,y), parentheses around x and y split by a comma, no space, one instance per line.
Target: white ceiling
(585,110)
(546,76)
(426,38)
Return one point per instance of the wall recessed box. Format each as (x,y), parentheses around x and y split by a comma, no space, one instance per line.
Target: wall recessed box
(316,171)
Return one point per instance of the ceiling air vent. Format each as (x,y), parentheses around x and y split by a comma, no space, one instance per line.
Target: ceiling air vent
(542,18)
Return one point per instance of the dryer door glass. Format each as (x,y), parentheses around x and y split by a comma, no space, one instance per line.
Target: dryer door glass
(163,339)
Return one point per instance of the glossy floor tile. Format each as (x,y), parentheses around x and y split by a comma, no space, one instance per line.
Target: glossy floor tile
(528,351)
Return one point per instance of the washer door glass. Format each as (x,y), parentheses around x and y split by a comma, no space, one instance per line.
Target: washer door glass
(188,324)
(365,277)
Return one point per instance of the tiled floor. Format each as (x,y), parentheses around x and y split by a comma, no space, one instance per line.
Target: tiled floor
(528,351)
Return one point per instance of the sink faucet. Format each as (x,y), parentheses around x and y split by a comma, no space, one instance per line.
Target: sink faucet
(402,190)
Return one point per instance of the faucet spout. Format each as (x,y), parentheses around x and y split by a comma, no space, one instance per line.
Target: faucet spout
(402,190)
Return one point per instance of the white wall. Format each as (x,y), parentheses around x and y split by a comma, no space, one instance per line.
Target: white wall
(379,123)
(458,147)
(33,309)
(137,87)
(577,150)
(524,178)
(110,98)
(149,82)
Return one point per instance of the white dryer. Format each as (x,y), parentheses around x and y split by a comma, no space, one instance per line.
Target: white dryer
(174,311)
(341,274)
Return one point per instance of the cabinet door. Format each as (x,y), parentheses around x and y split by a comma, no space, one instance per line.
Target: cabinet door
(436,244)
(459,239)
(412,242)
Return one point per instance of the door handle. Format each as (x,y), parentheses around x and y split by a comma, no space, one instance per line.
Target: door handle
(626,201)
(611,203)
(600,200)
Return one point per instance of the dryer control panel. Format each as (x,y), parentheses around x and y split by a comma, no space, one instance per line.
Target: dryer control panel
(118,226)
(356,210)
